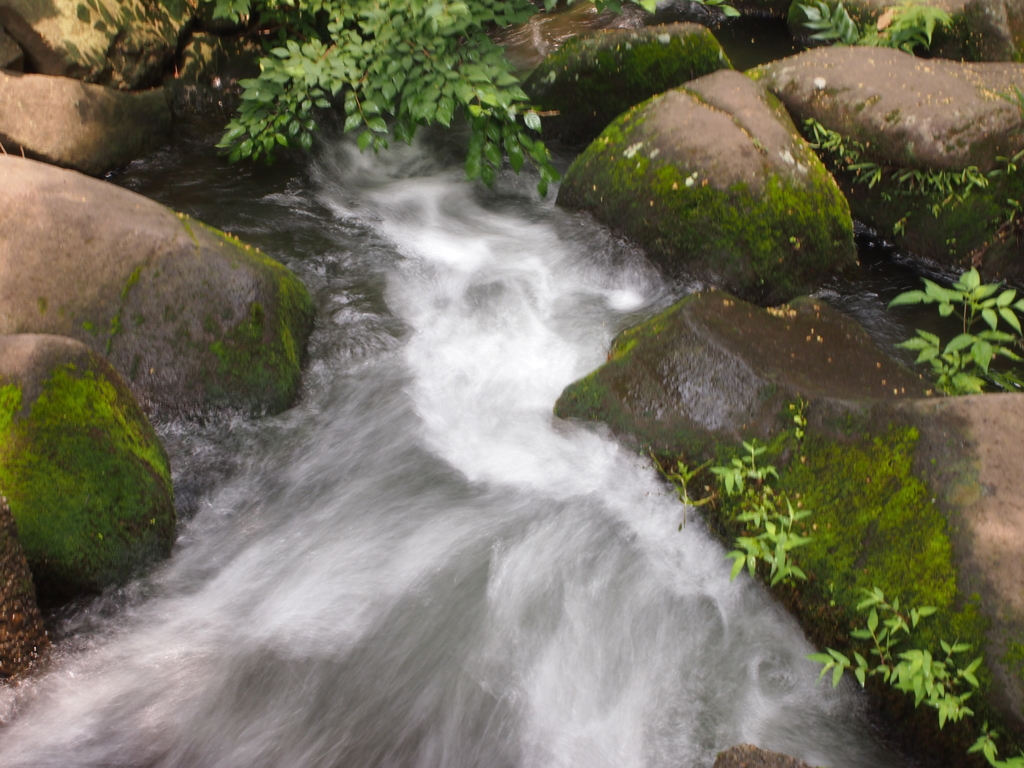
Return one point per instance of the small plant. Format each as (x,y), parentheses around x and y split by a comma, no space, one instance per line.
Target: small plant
(680,478)
(906,26)
(962,366)
(938,682)
(734,475)
(986,744)
(774,542)
(799,419)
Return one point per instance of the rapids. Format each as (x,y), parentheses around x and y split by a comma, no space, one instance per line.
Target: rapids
(418,565)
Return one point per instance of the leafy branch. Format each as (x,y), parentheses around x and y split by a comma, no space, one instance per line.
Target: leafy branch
(907,26)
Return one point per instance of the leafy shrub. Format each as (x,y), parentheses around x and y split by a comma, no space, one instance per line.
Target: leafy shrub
(907,26)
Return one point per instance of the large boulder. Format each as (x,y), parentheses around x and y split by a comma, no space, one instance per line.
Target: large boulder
(126,44)
(89,128)
(592,79)
(972,459)
(982,30)
(22,637)
(86,477)
(714,181)
(749,756)
(712,369)
(691,382)
(931,126)
(191,317)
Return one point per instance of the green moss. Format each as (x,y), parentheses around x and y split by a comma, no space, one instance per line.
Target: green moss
(87,480)
(766,245)
(592,79)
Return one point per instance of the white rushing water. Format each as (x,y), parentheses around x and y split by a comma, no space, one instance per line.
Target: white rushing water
(418,565)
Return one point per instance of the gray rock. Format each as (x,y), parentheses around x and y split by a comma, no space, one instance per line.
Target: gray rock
(90,128)
(88,483)
(592,79)
(22,637)
(11,55)
(714,181)
(749,756)
(191,317)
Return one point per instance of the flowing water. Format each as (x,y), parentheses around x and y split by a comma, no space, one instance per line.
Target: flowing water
(418,565)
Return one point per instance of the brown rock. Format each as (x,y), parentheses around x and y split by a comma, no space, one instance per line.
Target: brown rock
(749,756)
(972,456)
(22,638)
(11,55)
(924,113)
(89,128)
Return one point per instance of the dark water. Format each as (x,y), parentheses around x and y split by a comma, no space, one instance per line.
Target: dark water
(418,565)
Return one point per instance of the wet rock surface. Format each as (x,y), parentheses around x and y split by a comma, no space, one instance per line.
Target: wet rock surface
(88,128)
(592,79)
(713,180)
(22,637)
(86,478)
(712,368)
(190,317)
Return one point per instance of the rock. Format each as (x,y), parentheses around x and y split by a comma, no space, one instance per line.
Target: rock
(713,180)
(526,45)
(937,118)
(126,44)
(749,756)
(592,79)
(86,477)
(11,55)
(983,30)
(776,9)
(712,369)
(90,128)
(971,457)
(189,316)
(22,637)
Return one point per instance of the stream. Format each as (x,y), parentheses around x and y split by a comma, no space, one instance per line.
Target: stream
(418,565)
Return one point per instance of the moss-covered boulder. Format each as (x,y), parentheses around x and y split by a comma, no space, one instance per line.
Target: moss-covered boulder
(713,369)
(22,637)
(940,133)
(86,477)
(888,473)
(189,316)
(592,79)
(126,44)
(89,128)
(982,30)
(714,181)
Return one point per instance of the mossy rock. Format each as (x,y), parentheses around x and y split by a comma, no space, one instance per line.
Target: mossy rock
(86,477)
(920,116)
(695,380)
(189,316)
(591,79)
(209,59)
(982,30)
(712,369)
(126,44)
(22,637)
(714,181)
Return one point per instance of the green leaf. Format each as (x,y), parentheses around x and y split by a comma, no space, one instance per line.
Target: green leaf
(364,140)
(377,125)
(353,121)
